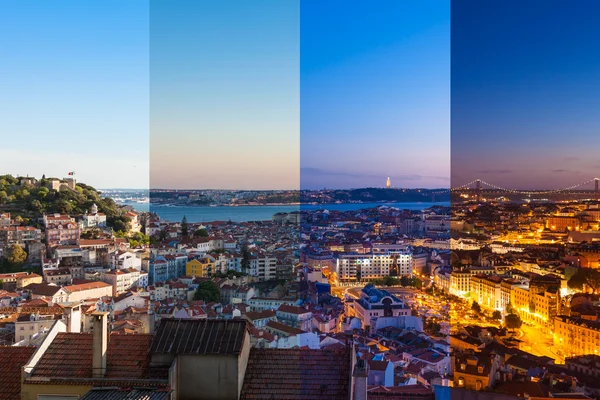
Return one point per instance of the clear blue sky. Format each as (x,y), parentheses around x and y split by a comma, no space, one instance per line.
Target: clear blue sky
(225,94)
(525,92)
(375,93)
(74,90)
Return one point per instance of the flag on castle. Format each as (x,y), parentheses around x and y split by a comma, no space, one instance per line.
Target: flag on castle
(72,173)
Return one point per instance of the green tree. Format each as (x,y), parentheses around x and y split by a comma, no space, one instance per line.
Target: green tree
(16,255)
(532,306)
(510,309)
(405,281)
(184,226)
(496,315)
(163,235)
(201,233)
(138,238)
(358,273)
(64,206)
(37,206)
(390,281)
(22,194)
(245,258)
(476,307)
(207,291)
(513,321)
(585,276)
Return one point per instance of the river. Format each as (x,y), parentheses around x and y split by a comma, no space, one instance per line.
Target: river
(258,213)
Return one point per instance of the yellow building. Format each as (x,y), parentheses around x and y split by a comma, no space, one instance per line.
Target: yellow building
(203,267)
(485,290)
(576,336)
(539,308)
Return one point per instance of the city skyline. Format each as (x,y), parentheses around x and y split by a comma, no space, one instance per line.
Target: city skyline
(524,111)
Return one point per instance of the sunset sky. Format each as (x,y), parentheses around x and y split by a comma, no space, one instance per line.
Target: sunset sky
(272,94)
(224,94)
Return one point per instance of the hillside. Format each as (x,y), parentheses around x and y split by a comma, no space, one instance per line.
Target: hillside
(28,199)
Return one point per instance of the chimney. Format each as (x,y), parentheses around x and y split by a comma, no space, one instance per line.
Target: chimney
(359,379)
(100,344)
(73,317)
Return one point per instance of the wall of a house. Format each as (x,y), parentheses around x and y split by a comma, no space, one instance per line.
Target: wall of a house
(209,377)
(31,392)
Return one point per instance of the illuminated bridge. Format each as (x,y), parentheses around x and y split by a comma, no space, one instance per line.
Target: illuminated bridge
(481,189)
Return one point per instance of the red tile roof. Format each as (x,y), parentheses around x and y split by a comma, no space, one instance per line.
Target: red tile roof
(292,309)
(86,286)
(11,361)
(400,392)
(70,356)
(278,326)
(297,374)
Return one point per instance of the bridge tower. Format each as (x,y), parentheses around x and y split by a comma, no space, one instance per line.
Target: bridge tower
(596,188)
(478,189)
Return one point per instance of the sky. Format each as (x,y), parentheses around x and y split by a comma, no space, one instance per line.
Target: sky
(74,90)
(224,95)
(375,93)
(525,93)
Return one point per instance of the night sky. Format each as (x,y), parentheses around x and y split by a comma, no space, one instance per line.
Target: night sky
(525,92)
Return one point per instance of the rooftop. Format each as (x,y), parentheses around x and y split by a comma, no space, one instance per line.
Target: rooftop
(183,336)
(11,361)
(70,356)
(297,374)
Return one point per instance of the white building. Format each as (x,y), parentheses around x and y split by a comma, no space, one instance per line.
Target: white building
(92,290)
(373,266)
(93,219)
(122,280)
(125,260)
(375,303)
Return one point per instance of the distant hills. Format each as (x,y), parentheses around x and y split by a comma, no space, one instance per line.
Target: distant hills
(241,197)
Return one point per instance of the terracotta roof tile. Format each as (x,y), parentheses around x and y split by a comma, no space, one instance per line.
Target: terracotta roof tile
(297,374)
(70,356)
(11,361)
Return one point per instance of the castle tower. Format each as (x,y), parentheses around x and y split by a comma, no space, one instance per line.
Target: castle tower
(388,183)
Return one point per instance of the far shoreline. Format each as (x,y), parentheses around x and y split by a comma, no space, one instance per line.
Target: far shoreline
(293,204)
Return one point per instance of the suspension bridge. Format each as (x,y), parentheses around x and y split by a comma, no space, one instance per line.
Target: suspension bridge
(479,188)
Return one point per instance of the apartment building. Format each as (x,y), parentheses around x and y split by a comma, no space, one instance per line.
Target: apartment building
(576,336)
(122,280)
(373,266)
(460,282)
(485,290)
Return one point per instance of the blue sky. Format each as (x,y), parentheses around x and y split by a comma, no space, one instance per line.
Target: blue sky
(225,94)
(525,92)
(375,100)
(74,97)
